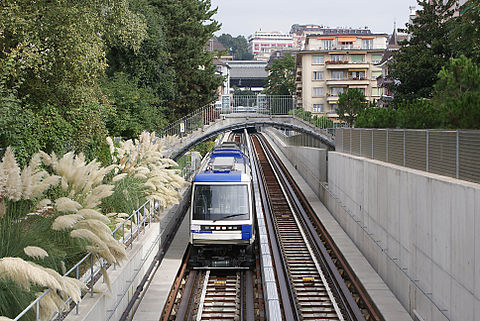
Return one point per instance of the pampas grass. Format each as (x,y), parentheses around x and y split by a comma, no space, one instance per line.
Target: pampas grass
(5,319)
(3,208)
(13,183)
(65,204)
(93,214)
(65,222)
(98,246)
(35,252)
(25,273)
(119,177)
(95,197)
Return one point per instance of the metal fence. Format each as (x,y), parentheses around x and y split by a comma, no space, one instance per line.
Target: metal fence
(453,153)
(258,104)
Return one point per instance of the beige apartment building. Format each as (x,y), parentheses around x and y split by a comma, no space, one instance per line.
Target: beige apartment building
(334,63)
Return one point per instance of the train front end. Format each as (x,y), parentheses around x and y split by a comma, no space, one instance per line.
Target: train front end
(221,215)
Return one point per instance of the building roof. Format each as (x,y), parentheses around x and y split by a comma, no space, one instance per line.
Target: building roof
(247,69)
(215,45)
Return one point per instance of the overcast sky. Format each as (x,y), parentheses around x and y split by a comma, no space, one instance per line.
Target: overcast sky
(244,17)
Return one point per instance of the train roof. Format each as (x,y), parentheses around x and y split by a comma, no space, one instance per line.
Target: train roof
(221,177)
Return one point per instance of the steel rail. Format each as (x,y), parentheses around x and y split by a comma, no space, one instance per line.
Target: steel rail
(342,291)
(362,299)
(285,291)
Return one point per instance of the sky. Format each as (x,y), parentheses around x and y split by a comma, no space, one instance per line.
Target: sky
(244,17)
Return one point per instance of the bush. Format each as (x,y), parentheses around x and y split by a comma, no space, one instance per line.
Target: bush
(377,118)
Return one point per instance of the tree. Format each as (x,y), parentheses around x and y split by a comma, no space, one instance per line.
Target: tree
(465,35)
(237,45)
(148,64)
(136,109)
(52,55)
(457,94)
(188,26)
(281,77)
(350,104)
(417,63)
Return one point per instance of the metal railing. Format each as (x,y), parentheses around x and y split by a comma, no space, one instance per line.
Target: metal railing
(255,104)
(137,223)
(452,153)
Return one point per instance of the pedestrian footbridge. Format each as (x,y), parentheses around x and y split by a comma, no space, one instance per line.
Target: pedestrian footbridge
(211,120)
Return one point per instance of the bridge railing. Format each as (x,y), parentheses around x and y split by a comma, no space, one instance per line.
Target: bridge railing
(452,153)
(252,104)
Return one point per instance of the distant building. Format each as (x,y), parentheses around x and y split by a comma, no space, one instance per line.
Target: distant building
(262,43)
(299,33)
(334,61)
(223,70)
(216,48)
(384,80)
(248,74)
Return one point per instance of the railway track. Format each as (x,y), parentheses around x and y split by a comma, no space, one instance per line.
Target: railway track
(212,295)
(315,289)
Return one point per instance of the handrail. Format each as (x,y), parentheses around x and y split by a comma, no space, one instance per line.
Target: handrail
(134,217)
(90,279)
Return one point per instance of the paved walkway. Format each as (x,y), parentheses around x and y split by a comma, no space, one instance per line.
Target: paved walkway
(151,306)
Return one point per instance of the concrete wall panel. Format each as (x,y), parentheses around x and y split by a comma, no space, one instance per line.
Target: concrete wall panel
(419,232)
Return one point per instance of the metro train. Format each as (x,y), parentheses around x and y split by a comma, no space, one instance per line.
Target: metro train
(222,213)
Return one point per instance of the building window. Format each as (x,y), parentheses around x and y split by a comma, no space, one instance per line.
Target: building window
(327,44)
(337,75)
(318,92)
(337,91)
(316,60)
(376,91)
(318,108)
(318,75)
(337,58)
(376,58)
(367,43)
(376,74)
(358,58)
(358,75)
(347,45)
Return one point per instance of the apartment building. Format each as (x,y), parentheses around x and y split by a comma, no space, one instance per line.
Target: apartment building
(299,33)
(262,43)
(333,63)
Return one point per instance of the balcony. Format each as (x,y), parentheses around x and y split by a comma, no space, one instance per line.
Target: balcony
(348,81)
(331,97)
(347,65)
(383,82)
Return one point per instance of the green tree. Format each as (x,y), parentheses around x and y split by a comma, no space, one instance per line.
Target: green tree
(457,94)
(374,117)
(417,63)
(350,104)
(136,108)
(281,77)
(188,26)
(465,35)
(237,45)
(51,57)
(148,64)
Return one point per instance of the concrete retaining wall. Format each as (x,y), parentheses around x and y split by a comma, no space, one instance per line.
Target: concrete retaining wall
(309,160)
(420,231)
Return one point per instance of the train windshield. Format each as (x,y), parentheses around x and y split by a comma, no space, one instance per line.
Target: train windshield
(220,202)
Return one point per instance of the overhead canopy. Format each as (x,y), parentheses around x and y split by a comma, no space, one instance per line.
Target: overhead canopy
(357,69)
(347,39)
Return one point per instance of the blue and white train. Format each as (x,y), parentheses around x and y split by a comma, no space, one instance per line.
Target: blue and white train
(221,212)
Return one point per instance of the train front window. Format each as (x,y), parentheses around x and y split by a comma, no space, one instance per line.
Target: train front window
(220,202)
